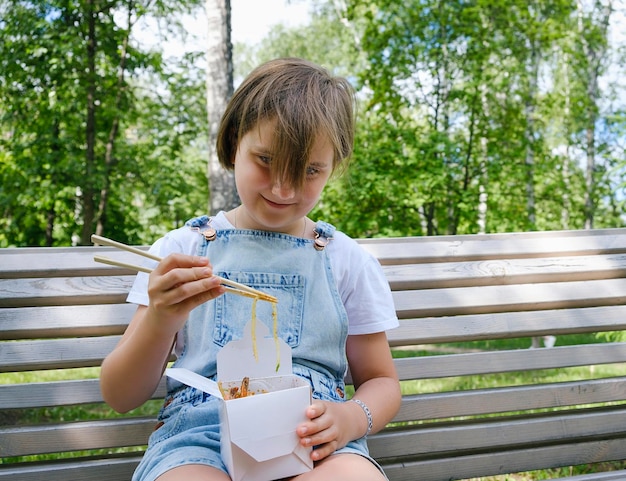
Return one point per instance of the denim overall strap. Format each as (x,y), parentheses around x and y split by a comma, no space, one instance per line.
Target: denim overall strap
(311,317)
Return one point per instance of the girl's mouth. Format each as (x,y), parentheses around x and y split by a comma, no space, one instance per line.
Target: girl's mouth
(277,205)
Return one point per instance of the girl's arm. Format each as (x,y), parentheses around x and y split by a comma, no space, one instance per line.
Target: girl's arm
(375,378)
(333,425)
(132,371)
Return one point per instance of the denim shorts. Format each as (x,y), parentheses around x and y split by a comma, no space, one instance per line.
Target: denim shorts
(188,432)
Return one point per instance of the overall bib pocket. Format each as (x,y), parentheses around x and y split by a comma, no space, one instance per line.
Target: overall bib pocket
(288,288)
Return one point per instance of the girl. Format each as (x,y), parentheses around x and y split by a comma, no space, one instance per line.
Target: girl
(287,128)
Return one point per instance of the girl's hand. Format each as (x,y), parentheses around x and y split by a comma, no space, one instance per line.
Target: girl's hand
(331,426)
(177,285)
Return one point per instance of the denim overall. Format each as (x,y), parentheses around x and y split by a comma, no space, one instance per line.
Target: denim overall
(311,320)
(311,316)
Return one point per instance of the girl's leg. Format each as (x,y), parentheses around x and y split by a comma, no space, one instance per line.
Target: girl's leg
(343,467)
(194,472)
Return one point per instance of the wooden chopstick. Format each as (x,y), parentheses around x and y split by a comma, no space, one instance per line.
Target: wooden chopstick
(96,239)
(147,270)
(103,241)
(112,262)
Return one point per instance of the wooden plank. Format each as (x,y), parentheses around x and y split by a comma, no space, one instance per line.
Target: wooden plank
(442,405)
(473,327)
(481,363)
(488,435)
(111,468)
(608,476)
(55,353)
(63,262)
(56,393)
(496,246)
(64,321)
(61,291)
(75,436)
(505,271)
(505,462)
(524,297)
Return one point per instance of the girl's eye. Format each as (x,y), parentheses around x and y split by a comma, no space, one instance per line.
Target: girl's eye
(265,160)
(312,171)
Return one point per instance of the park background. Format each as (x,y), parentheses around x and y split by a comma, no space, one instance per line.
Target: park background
(473,116)
(481,116)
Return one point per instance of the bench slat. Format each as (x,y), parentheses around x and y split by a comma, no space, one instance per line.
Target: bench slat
(441,405)
(75,436)
(504,462)
(64,321)
(63,262)
(110,319)
(431,330)
(411,250)
(607,476)
(61,291)
(493,362)
(524,297)
(109,469)
(88,352)
(477,436)
(56,393)
(55,353)
(414,408)
(505,271)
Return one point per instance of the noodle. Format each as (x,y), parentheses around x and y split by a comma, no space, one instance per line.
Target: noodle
(275,319)
(255,350)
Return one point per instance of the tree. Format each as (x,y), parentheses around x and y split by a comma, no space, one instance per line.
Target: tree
(222,192)
(74,95)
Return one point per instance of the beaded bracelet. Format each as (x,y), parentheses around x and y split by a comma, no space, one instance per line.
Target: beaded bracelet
(368,413)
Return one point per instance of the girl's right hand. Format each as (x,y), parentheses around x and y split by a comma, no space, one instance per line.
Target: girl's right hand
(179,284)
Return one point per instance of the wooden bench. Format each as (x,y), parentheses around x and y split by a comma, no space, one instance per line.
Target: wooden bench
(60,310)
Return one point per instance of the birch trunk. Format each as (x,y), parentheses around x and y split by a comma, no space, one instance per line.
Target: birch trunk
(222,192)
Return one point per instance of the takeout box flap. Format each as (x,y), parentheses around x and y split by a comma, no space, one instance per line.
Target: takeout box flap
(248,469)
(269,447)
(237,359)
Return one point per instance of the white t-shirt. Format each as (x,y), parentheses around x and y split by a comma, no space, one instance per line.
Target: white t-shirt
(362,285)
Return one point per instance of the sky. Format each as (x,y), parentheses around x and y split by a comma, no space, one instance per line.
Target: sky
(252,19)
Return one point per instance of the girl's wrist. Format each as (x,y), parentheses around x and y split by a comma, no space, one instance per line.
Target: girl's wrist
(368,415)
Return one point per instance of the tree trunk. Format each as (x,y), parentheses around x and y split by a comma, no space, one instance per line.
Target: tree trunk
(109,158)
(533,73)
(567,204)
(594,52)
(88,196)
(222,192)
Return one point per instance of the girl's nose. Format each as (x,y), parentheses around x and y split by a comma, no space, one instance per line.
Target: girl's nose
(283,191)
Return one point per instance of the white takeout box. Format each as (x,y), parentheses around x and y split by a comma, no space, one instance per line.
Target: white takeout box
(258,433)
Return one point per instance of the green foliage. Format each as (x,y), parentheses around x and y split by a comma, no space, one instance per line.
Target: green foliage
(90,124)
(470,101)
(483,116)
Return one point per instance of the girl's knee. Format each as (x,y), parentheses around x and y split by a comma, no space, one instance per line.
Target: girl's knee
(194,471)
(347,467)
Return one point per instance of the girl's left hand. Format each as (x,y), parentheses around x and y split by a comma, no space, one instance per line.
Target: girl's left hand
(330,427)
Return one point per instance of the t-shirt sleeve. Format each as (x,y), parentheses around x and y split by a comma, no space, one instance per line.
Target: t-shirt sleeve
(366,294)
(138,293)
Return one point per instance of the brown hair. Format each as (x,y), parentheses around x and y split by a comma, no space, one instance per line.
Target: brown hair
(305,101)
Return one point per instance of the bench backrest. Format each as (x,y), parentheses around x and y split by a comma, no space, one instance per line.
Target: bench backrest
(60,310)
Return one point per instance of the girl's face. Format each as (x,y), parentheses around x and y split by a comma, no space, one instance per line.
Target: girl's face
(268,205)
